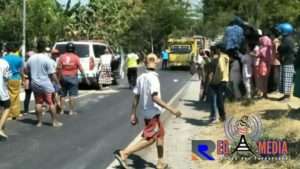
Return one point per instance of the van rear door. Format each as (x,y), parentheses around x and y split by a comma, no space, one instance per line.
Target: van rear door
(98,51)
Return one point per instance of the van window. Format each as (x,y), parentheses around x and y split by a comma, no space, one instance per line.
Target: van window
(99,50)
(81,50)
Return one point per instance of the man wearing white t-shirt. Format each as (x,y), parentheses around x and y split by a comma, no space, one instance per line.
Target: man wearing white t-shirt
(148,89)
(4,97)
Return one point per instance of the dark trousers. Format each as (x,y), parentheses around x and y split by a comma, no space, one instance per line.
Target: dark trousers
(27,99)
(273,78)
(132,76)
(220,90)
(164,64)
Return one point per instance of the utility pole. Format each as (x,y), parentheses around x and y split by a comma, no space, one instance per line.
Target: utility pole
(152,48)
(24,31)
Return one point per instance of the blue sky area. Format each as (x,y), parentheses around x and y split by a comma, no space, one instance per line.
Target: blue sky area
(73,1)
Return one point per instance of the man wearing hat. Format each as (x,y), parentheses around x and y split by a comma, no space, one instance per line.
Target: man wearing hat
(148,89)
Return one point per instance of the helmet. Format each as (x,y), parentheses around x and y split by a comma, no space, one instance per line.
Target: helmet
(285,28)
(70,47)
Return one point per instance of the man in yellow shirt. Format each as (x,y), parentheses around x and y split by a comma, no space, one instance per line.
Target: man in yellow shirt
(218,78)
(132,63)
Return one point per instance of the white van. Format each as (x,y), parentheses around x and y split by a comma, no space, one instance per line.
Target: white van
(89,53)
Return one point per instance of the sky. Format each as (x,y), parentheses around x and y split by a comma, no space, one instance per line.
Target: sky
(73,1)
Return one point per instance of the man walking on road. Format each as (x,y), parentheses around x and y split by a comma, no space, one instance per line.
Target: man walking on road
(132,64)
(68,65)
(148,88)
(165,58)
(4,97)
(40,68)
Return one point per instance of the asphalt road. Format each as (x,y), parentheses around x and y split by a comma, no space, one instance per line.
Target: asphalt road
(87,140)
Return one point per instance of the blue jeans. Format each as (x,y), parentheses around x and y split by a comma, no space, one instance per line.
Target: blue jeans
(212,103)
(220,90)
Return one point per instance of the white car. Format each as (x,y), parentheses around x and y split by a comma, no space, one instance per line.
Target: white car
(89,53)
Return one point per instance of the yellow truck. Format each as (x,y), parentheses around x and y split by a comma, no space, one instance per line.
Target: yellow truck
(181,50)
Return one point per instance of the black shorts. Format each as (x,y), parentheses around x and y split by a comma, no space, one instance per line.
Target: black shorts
(5,104)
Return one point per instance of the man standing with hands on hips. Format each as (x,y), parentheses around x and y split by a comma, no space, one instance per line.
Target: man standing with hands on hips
(148,89)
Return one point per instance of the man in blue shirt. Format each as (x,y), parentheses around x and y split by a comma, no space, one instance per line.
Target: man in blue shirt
(165,58)
(14,82)
(234,36)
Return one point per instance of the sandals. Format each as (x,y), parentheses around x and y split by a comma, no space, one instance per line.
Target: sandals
(165,166)
(118,157)
(3,136)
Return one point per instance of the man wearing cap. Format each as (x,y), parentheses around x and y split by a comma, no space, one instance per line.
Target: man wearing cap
(148,89)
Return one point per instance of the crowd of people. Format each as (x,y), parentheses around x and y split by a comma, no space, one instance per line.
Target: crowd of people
(248,64)
(45,73)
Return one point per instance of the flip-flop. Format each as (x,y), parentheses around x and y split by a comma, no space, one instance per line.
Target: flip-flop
(166,166)
(73,114)
(118,157)
(3,136)
(57,124)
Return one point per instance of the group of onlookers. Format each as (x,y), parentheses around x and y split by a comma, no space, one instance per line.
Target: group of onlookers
(49,75)
(240,68)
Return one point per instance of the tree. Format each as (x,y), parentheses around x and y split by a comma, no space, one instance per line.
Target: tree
(262,14)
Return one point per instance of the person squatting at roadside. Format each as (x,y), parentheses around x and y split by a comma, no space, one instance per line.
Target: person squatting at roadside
(148,89)
(68,65)
(41,70)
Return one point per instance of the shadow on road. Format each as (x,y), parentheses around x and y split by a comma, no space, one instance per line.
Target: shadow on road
(138,162)
(274,114)
(197,122)
(33,122)
(294,114)
(199,106)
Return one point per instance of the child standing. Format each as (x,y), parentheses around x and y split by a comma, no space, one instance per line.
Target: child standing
(247,61)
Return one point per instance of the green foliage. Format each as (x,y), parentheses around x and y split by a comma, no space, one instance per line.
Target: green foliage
(261,13)
(134,24)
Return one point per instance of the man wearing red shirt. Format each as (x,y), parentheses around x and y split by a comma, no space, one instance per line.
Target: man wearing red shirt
(68,65)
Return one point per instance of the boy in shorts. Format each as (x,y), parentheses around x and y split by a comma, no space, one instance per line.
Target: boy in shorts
(148,89)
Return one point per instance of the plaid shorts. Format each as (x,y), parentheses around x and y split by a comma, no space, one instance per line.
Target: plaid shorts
(154,128)
(286,79)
